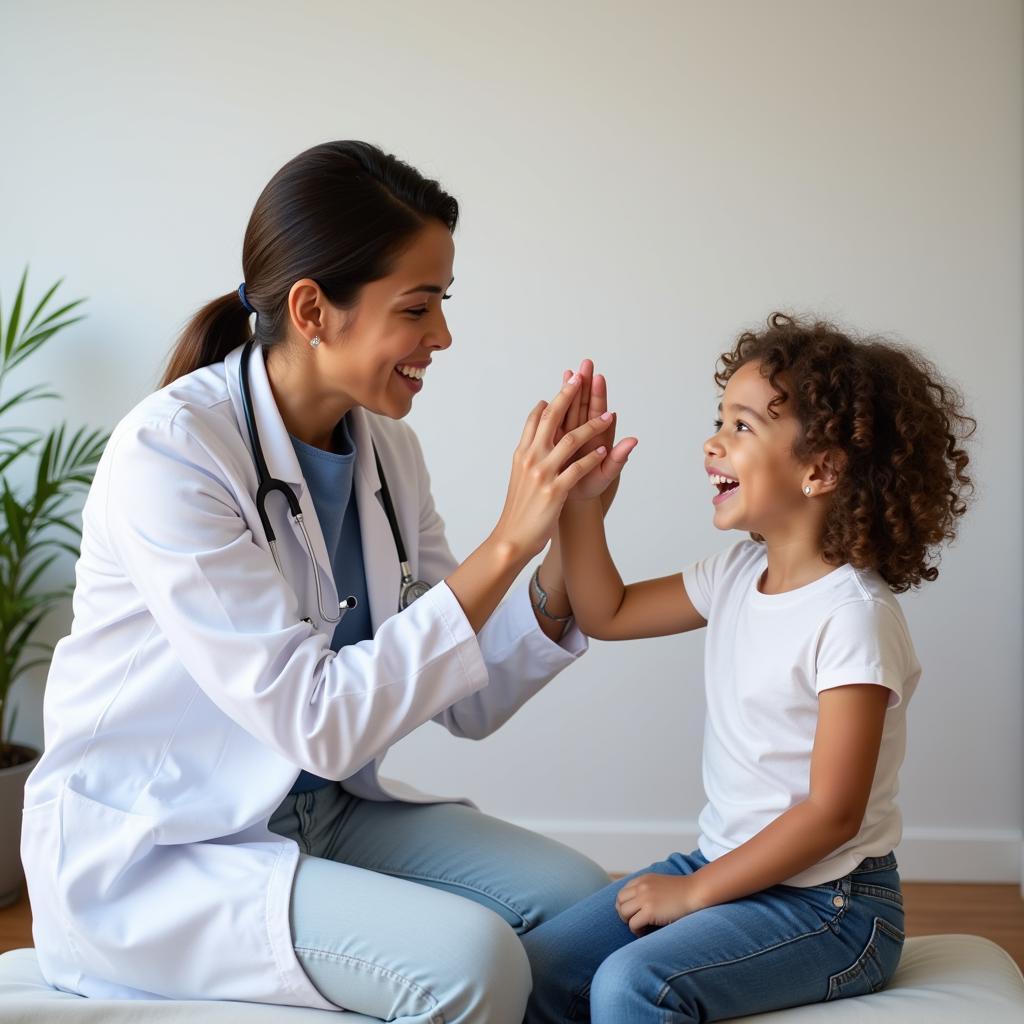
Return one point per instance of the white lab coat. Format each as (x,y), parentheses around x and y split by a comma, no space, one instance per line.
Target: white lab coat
(190,692)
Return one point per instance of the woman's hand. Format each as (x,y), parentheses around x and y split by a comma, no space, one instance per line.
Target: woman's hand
(591,402)
(652,901)
(541,478)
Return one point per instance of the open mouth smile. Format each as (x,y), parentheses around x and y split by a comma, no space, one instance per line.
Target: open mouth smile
(411,375)
(726,486)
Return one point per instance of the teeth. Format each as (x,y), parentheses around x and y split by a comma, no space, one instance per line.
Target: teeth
(416,372)
(717,480)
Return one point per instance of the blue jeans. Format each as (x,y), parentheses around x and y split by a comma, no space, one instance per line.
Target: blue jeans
(414,911)
(785,946)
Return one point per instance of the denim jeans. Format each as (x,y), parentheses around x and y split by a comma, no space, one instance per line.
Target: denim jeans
(414,911)
(785,946)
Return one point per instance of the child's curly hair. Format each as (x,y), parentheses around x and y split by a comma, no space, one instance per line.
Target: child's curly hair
(898,423)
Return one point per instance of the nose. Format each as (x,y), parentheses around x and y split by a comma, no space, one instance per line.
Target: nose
(713,445)
(438,336)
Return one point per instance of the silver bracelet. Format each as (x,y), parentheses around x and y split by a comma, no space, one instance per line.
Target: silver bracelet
(539,596)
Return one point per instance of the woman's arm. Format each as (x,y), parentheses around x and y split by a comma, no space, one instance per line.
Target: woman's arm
(846,744)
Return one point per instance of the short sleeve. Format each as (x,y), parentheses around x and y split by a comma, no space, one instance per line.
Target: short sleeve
(864,642)
(703,578)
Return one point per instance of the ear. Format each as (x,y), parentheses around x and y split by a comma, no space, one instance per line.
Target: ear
(823,472)
(311,313)
(305,311)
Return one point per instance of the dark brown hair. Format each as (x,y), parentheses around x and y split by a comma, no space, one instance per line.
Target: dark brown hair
(338,213)
(899,426)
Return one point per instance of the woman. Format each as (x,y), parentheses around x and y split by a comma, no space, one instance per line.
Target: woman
(207,820)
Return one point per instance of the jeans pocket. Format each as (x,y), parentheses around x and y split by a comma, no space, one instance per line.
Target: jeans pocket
(886,893)
(875,965)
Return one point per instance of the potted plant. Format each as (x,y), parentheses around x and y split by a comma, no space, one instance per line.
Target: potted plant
(40,472)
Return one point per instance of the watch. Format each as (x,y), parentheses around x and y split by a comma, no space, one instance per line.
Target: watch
(539,596)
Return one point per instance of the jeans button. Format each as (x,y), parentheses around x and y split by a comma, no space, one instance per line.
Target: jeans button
(838,901)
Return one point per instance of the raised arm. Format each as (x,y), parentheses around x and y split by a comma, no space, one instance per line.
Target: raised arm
(605,608)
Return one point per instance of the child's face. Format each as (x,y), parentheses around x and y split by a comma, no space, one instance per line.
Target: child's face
(755,451)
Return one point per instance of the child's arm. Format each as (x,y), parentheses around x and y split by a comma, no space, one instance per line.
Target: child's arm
(604,608)
(843,759)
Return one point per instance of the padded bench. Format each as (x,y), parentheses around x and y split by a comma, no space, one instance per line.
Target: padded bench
(941,978)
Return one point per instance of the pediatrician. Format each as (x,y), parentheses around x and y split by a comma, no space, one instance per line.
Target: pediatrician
(265,603)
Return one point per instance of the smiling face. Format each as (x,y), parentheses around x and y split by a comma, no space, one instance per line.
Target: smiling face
(375,355)
(758,482)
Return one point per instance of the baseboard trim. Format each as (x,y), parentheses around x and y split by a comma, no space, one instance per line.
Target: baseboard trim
(925,854)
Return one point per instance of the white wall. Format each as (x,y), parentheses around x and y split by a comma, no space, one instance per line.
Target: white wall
(638,182)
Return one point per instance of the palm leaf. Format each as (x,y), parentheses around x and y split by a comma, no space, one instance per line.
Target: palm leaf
(42,302)
(27,396)
(8,457)
(37,570)
(28,344)
(12,324)
(54,315)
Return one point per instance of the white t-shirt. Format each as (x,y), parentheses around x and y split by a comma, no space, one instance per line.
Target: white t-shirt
(767,657)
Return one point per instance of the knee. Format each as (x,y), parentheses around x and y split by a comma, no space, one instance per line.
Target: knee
(491,973)
(628,986)
(553,970)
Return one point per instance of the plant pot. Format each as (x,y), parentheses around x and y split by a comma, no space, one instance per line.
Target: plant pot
(12,798)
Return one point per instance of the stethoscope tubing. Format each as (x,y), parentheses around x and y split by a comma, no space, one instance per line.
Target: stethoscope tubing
(410,589)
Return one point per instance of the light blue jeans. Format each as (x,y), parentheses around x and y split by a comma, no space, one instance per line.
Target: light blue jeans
(413,912)
(785,946)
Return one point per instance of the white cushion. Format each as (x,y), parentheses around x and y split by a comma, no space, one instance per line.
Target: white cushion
(25,998)
(941,978)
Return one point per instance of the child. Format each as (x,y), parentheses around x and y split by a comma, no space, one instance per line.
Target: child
(843,461)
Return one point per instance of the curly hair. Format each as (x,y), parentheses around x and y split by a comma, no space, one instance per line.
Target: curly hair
(900,426)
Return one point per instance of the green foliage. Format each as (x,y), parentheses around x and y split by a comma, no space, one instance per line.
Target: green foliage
(38,521)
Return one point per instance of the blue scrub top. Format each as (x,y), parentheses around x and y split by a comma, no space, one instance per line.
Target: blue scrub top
(329,477)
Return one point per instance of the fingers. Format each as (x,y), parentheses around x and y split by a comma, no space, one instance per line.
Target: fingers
(571,476)
(574,417)
(530,430)
(598,395)
(586,372)
(631,908)
(640,922)
(577,438)
(617,457)
(553,416)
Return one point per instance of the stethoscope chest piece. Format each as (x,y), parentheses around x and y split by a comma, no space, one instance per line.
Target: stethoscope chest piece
(411,590)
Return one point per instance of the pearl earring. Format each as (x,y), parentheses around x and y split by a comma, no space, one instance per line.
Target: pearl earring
(807,490)
(314,341)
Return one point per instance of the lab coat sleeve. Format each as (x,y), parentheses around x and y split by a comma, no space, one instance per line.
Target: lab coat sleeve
(177,530)
(520,658)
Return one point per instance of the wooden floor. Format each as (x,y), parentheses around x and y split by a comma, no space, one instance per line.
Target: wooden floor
(995,911)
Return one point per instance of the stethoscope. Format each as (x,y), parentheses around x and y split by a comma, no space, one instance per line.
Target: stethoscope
(411,589)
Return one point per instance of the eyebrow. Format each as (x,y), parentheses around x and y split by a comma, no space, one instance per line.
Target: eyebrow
(746,409)
(432,288)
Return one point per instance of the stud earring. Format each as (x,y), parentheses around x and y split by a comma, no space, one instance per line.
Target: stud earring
(807,490)
(314,341)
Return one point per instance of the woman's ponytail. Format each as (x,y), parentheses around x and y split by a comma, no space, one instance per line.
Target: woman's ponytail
(219,327)
(338,213)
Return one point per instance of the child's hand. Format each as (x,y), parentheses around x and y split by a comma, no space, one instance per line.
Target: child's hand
(590,401)
(652,901)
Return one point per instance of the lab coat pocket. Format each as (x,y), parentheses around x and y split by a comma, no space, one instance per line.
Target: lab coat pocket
(41,858)
(99,844)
